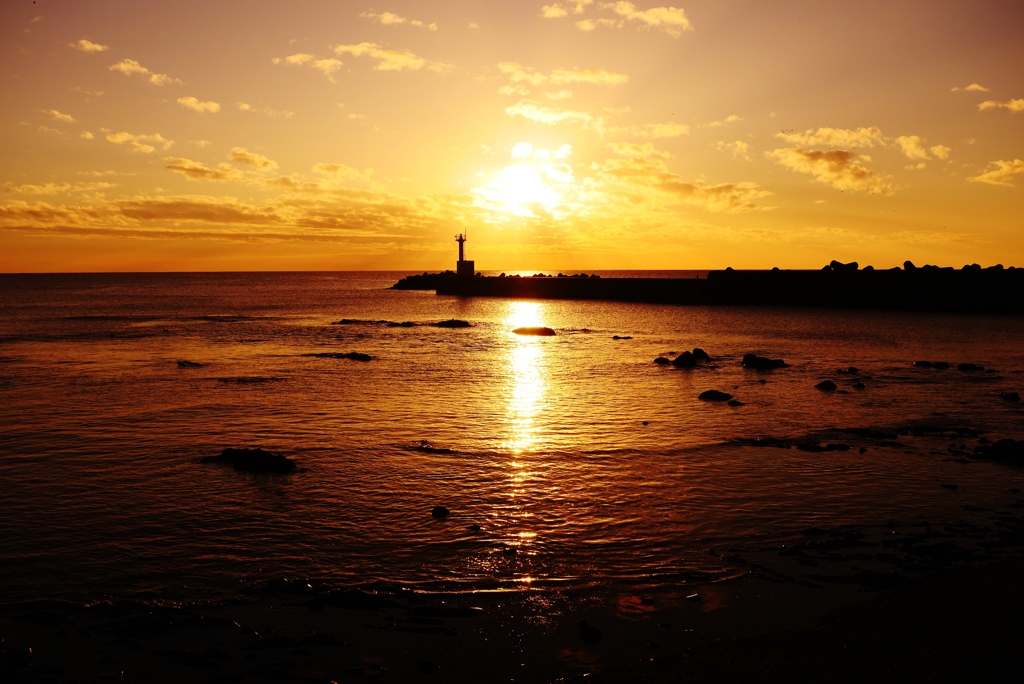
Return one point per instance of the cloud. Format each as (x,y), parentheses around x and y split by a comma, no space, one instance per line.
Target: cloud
(55,188)
(834,167)
(973,88)
(912,146)
(671,20)
(547,115)
(327,65)
(655,130)
(130,67)
(86,136)
(197,106)
(520,76)
(88,46)
(653,175)
(299,58)
(1001,175)
(1014,106)
(194,170)
(738,149)
(836,137)
(553,11)
(560,95)
(57,116)
(724,122)
(390,60)
(389,19)
(272,113)
(252,160)
(141,143)
(941,151)
(641,151)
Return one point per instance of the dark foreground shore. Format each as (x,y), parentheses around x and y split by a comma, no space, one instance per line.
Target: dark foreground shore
(929,288)
(917,600)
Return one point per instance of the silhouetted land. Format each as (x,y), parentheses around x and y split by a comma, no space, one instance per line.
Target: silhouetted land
(928,288)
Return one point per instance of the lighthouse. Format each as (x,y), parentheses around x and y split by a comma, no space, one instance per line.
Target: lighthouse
(463,268)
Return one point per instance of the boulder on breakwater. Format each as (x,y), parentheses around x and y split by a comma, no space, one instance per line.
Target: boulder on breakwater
(253,461)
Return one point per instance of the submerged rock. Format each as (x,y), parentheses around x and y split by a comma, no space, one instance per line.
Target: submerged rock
(1009,396)
(858,385)
(453,323)
(662,361)
(714,395)
(1005,451)
(968,367)
(762,363)
(538,330)
(922,364)
(622,337)
(352,356)
(852,370)
(427,448)
(182,363)
(253,461)
(439,513)
(941,365)
(403,324)
(826,386)
(736,402)
(815,447)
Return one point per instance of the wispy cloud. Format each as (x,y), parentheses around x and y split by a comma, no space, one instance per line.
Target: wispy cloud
(251,159)
(738,149)
(129,67)
(837,168)
(732,118)
(1002,174)
(272,113)
(973,88)
(835,137)
(547,115)
(390,60)
(88,46)
(57,116)
(197,106)
(1015,106)
(671,20)
(390,19)
(141,143)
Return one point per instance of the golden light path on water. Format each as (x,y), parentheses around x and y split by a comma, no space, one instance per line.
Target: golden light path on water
(526,386)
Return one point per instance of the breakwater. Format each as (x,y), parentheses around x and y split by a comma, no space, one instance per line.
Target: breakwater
(929,288)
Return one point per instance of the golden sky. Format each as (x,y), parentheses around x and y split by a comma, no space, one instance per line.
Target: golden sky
(332,134)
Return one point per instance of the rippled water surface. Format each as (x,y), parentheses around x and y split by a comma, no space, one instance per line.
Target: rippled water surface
(101,491)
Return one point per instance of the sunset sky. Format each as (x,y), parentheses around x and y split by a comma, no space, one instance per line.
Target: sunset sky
(332,134)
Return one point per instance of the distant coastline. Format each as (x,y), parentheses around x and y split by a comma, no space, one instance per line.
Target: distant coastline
(971,289)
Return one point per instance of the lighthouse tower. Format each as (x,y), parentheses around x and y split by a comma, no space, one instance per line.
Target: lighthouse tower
(464,268)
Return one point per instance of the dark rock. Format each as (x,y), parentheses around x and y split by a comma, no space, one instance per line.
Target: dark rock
(352,356)
(621,337)
(826,386)
(453,323)
(662,361)
(473,528)
(951,487)
(714,395)
(590,635)
(816,448)
(182,363)
(439,513)
(969,367)
(510,551)
(858,385)
(941,365)
(1005,451)
(762,381)
(862,450)
(538,331)
(644,422)
(253,461)
(403,324)
(762,363)
(701,355)
(684,360)
(852,370)
(736,402)
(923,364)
(1009,396)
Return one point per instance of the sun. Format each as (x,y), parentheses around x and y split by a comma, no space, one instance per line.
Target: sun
(533,185)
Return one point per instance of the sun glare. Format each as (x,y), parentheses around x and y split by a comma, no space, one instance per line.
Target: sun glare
(534,185)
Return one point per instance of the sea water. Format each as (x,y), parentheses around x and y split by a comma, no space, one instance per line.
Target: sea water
(582,462)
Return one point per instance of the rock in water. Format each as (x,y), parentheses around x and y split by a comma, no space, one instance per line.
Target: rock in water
(923,364)
(590,635)
(968,367)
(941,365)
(1005,450)
(253,461)
(439,513)
(684,360)
(352,356)
(1009,396)
(539,331)
(736,403)
(182,363)
(826,386)
(453,323)
(762,363)
(701,355)
(714,395)
(662,361)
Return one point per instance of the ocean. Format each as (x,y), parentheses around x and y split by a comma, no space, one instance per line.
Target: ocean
(583,463)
